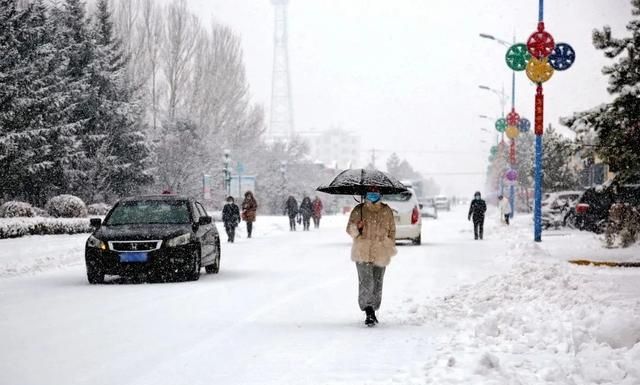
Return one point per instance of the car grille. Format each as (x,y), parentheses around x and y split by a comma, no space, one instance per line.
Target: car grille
(134,246)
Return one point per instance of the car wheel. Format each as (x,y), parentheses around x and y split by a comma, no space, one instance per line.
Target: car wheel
(417,241)
(194,274)
(214,268)
(94,275)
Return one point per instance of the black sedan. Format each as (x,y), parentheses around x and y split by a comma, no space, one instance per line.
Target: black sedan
(158,235)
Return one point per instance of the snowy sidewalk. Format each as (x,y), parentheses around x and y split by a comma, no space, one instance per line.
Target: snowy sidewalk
(543,322)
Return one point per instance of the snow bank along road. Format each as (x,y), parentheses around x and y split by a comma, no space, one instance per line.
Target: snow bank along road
(283,310)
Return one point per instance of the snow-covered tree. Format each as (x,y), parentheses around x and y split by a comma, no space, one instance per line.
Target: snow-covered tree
(36,131)
(121,154)
(557,171)
(614,127)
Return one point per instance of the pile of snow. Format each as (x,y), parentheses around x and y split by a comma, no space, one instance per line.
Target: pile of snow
(13,209)
(19,227)
(66,206)
(98,209)
(543,322)
(538,324)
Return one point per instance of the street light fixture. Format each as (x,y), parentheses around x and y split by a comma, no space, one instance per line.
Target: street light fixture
(501,96)
(491,37)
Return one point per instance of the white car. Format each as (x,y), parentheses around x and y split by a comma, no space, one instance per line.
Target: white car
(406,211)
(442,202)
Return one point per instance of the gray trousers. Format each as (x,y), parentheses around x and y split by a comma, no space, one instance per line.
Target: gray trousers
(370,279)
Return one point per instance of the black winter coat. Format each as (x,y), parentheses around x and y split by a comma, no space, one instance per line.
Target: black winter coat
(231,214)
(477,209)
(291,207)
(306,208)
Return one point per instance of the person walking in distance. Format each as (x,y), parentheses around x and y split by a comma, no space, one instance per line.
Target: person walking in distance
(505,209)
(373,229)
(317,212)
(249,210)
(291,210)
(476,212)
(306,209)
(230,218)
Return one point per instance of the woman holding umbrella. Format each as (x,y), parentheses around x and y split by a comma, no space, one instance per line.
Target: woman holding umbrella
(373,229)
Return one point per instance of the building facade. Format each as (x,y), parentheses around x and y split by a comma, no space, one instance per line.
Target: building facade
(335,148)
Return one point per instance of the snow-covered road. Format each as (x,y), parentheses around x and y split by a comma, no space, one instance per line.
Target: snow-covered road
(283,310)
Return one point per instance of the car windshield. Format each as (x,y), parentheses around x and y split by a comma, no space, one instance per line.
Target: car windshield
(149,212)
(402,197)
(441,199)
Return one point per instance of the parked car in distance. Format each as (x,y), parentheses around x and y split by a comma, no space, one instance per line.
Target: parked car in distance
(443,202)
(157,235)
(560,199)
(557,208)
(406,211)
(428,208)
(592,209)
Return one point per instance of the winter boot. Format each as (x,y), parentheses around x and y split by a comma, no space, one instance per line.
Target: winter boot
(371,317)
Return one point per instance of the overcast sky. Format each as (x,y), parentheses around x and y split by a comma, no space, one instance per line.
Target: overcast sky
(405,73)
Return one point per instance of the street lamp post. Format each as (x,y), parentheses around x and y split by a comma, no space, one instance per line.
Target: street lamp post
(283,173)
(500,94)
(227,172)
(515,126)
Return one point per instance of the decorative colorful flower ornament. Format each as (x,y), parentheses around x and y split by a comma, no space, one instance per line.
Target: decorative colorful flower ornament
(562,57)
(512,132)
(513,118)
(540,44)
(539,70)
(517,57)
(524,125)
(511,175)
(501,125)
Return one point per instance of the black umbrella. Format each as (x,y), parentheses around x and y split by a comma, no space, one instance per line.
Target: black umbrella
(360,181)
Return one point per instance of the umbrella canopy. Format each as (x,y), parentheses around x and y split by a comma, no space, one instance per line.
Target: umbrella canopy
(359,181)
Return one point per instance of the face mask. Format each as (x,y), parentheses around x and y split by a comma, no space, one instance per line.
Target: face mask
(373,197)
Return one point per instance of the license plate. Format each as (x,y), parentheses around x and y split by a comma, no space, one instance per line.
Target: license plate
(133,257)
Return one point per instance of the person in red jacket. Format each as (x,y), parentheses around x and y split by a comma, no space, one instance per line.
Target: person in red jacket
(317,212)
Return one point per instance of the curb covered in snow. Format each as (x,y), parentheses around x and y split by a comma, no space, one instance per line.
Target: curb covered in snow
(19,227)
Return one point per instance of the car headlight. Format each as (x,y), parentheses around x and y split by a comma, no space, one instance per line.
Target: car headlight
(180,240)
(95,243)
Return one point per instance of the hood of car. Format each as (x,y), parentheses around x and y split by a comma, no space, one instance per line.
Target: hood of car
(141,232)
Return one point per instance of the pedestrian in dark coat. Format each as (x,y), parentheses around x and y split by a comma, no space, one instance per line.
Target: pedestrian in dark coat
(249,210)
(317,212)
(476,212)
(306,210)
(291,210)
(230,218)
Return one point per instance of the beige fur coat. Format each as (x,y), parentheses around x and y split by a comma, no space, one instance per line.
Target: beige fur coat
(377,242)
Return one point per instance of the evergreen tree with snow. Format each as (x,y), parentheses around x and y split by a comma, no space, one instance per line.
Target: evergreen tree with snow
(117,154)
(615,126)
(36,141)
(557,171)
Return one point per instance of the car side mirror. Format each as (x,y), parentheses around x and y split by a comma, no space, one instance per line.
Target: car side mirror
(421,206)
(205,221)
(95,222)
